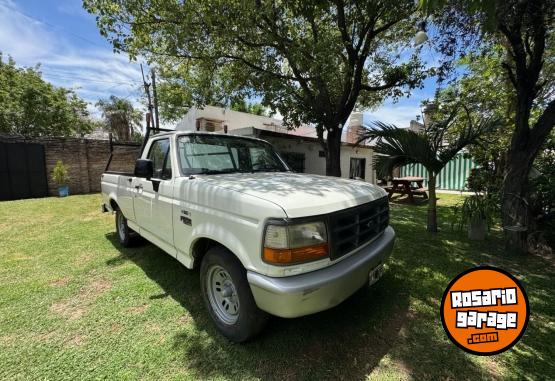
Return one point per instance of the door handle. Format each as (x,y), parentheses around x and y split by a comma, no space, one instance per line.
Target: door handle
(140,186)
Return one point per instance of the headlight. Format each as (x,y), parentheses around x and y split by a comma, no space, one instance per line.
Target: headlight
(297,243)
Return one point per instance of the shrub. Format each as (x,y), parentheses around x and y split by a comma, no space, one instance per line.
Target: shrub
(59,174)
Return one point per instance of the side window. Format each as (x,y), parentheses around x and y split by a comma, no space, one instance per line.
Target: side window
(161,161)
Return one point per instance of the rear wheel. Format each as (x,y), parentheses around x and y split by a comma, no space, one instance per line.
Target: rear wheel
(228,297)
(124,232)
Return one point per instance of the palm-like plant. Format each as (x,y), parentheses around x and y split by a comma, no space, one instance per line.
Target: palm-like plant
(433,148)
(120,117)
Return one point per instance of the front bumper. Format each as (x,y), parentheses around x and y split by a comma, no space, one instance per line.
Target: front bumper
(319,290)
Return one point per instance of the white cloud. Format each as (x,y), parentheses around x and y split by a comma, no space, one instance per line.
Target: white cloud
(22,37)
(399,115)
(93,72)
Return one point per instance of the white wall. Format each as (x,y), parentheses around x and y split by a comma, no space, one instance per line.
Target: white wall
(312,163)
(233,119)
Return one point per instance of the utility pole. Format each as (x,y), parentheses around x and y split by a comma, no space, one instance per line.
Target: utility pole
(149,113)
(157,124)
(147,91)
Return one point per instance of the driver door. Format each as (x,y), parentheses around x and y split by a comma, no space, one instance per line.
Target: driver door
(153,198)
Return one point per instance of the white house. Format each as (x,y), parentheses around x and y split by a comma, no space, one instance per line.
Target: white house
(299,147)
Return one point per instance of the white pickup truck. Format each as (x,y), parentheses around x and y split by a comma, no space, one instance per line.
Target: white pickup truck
(267,240)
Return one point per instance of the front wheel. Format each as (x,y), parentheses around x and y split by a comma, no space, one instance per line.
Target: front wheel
(228,297)
(125,234)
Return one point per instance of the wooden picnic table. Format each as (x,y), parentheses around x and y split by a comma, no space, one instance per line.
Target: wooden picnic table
(403,185)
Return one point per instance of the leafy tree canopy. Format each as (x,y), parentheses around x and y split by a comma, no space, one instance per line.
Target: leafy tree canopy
(485,92)
(313,61)
(33,107)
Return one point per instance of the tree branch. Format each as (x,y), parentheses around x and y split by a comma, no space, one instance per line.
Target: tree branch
(341,23)
(398,82)
(543,126)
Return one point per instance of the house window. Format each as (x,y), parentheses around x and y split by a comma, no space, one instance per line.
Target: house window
(358,168)
(294,160)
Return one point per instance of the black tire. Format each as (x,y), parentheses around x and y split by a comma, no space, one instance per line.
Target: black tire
(250,319)
(125,234)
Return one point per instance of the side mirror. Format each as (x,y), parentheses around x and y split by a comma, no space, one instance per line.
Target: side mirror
(144,168)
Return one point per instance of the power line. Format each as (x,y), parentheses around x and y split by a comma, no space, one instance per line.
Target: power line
(51,67)
(55,76)
(69,78)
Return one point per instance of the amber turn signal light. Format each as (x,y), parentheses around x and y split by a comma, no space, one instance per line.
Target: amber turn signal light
(298,255)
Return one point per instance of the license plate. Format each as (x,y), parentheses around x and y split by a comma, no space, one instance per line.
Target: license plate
(375,274)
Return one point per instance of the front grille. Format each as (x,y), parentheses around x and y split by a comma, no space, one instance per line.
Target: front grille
(353,227)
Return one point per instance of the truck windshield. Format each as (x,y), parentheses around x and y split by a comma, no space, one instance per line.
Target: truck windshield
(214,154)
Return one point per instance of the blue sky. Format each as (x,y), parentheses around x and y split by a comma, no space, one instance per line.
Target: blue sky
(65,40)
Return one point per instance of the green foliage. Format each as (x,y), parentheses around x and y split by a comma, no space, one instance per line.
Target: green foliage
(484,179)
(486,8)
(121,118)
(543,182)
(475,208)
(33,107)
(59,174)
(485,92)
(251,108)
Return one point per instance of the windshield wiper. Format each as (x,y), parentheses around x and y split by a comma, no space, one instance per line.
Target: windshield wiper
(208,171)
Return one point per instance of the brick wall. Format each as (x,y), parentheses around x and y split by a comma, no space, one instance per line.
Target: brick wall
(85,160)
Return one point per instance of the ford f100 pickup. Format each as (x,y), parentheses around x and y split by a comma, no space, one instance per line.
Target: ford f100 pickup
(266,240)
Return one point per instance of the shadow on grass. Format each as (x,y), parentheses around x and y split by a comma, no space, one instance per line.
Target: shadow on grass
(405,200)
(347,342)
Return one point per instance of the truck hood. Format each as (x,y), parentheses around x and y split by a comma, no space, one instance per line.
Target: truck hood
(299,195)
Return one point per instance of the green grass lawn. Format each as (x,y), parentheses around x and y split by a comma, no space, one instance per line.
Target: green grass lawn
(75,305)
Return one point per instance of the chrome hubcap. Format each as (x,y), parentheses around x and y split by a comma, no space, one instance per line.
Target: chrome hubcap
(222,295)
(121,226)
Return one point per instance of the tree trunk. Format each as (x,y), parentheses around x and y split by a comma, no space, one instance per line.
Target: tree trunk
(516,221)
(333,152)
(525,145)
(432,203)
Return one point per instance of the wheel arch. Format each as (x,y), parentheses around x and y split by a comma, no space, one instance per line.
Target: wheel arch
(114,204)
(200,247)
